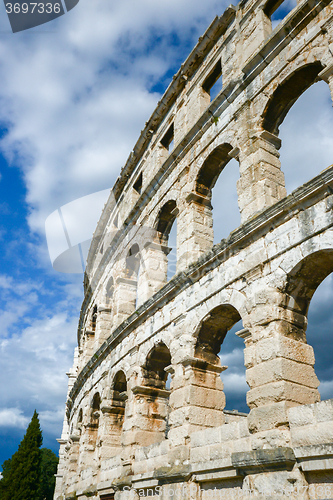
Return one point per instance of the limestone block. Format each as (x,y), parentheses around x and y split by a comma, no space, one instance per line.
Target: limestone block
(197,396)
(281,369)
(269,416)
(302,415)
(319,433)
(281,391)
(200,454)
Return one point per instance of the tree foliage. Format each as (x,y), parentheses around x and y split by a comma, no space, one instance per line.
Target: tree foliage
(29,473)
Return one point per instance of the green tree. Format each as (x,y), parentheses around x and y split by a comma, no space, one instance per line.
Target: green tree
(49,465)
(21,476)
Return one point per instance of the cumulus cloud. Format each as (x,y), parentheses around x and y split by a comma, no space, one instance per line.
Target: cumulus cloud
(13,417)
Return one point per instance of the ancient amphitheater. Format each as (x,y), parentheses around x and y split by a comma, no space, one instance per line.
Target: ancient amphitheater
(128,433)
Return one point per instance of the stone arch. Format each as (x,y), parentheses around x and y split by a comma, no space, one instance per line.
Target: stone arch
(109,290)
(157,360)
(302,281)
(133,262)
(95,408)
(212,331)
(94,318)
(211,169)
(165,219)
(286,94)
(118,405)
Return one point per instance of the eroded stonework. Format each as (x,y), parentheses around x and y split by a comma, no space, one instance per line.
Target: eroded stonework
(126,433)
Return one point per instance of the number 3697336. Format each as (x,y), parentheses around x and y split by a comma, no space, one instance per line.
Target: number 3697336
(40,8)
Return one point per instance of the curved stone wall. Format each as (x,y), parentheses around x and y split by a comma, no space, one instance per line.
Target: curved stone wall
(145,410)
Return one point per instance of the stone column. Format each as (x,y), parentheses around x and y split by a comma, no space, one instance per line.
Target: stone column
(124,299)
(153,271)
(146,416)
(261,182)
(104,324)
(327,76)
(111,425)
(73,458)
(280,366)
(197,399)
(195,227)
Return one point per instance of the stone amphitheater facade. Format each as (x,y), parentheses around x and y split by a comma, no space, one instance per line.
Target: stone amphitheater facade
(126,433)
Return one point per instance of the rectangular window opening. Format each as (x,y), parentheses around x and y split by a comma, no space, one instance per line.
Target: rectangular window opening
(167,140)
(213,83)
(138,184)
(278,10)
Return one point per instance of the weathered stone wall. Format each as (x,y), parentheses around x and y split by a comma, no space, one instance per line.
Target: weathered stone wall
(127,433)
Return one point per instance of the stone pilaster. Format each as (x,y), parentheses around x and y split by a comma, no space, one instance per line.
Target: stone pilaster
(197,399)
(124,299)
(146,417)
(153,271)
(111,426)
(261,182)
(195,227)
(280,367)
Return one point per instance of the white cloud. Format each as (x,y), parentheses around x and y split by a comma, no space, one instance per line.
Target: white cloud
(13,417)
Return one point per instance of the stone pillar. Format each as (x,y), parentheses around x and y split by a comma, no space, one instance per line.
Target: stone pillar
(327,76)
(104,324)
(195,227)
(73,458)
(197,399)
(88,345)
(146,416)
(280,366)
(124,299)
(111,425)
(153,271)
(261,182)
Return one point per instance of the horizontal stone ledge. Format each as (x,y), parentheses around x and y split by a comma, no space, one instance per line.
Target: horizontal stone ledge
(271,459)
(317,464)
(215,475)
(153,392)
(315,450)
(142,483)
(173,473)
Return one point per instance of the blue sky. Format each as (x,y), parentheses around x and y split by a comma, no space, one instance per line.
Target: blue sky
(74,95)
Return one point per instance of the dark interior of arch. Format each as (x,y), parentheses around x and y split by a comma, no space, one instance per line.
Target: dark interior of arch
(287,94)
(96,403)
(119,383)
(133,261)
(305,278)
(109,289)
(213,331)
(211,169)
(154,370)
(165,219)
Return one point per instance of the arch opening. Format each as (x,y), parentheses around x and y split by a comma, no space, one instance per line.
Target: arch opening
(287,94)
(309,293)
(306,134)
(154,369)
(211,169)
(166,227)
(118,397)
(215,346)
(156,378)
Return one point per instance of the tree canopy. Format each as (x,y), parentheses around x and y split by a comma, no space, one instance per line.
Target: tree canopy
(29,473)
